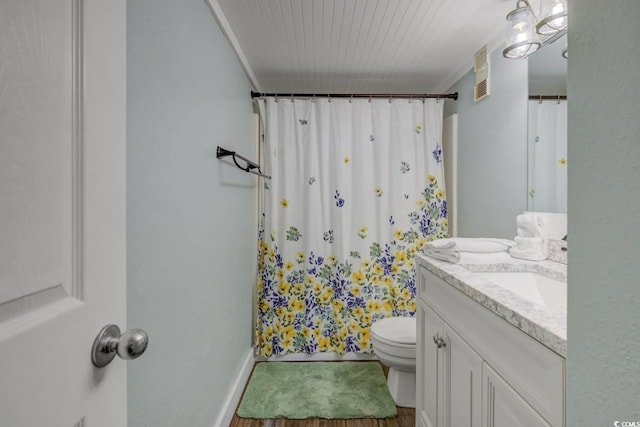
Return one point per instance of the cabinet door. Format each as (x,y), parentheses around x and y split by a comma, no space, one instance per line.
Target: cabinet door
(463,385)
(504,407)
(429,369)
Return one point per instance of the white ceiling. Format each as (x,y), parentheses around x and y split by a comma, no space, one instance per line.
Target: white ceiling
(359,46)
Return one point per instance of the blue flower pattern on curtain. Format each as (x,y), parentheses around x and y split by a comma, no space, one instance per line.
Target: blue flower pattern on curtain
(356,192)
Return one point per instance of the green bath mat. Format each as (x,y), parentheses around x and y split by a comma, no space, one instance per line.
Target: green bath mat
(301,390)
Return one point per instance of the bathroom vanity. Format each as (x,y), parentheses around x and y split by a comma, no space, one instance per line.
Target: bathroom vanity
(491,344)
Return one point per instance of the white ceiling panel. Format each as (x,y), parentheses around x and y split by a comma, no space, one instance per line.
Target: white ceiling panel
(359,46)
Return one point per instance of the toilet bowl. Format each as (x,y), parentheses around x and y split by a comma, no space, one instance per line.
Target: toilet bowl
(394,342)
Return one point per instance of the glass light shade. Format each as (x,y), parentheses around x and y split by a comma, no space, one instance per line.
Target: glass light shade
(553,17)
(521,40)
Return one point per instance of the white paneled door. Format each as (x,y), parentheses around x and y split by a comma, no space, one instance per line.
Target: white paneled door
(62,210)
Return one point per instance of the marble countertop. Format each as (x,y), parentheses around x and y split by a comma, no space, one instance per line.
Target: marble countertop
(543,324)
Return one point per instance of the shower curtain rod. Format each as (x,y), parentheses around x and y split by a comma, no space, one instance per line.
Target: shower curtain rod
(553,97)
(453,96)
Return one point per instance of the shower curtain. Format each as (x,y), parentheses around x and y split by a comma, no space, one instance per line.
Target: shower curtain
(547,156)
(357,188)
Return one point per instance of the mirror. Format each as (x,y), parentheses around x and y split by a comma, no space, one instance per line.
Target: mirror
(547,129)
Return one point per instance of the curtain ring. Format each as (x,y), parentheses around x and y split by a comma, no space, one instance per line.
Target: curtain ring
(313,98)
(437,99)
(390,99)
(292,98)
(351,99)
(329,98)
(558,101)
(410,100)
(370,96)
(277,100)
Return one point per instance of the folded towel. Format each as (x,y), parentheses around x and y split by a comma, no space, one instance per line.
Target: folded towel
(528,242)
(532,251)
(470,244)
(531,241)
(470,257)
(530,225)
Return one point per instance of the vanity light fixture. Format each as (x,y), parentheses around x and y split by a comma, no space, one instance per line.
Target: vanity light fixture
(526,34)
(522,39)
(553,17)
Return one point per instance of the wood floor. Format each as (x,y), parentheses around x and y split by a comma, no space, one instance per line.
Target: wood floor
(405,418)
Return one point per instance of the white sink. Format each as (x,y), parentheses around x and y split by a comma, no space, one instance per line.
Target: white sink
(534,287)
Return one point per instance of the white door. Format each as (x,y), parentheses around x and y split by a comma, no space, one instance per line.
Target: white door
(463,383)
(62,210)
(430,408)
(450,155)
(503,406)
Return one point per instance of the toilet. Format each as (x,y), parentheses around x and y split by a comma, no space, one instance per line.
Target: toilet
(394,342)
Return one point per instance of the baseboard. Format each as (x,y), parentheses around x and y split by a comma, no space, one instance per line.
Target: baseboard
(317,357)
(229,407)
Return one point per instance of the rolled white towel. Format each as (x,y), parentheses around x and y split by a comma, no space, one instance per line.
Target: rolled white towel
(531,240)
(470,257)
(530,225)
(529,248)
(470,244)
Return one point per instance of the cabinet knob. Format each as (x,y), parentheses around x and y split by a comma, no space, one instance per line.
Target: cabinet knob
(439,341)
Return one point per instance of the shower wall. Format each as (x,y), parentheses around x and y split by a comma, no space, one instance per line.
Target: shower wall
(191,226)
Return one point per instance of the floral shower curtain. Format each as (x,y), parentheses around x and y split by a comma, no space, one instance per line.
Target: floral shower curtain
(357,188)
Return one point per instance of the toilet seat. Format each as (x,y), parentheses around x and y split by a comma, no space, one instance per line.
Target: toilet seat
(395,331)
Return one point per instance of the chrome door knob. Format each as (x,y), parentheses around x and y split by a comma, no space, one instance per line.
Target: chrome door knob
(132,344)
(109,342)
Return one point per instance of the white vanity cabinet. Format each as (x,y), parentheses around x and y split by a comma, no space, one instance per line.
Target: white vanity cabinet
(476,370)
(454,369)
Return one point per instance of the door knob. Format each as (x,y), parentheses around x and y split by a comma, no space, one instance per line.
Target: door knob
(109,342)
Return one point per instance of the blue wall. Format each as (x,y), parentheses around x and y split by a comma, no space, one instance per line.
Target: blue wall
(191,232)
(603,369)
(492,150)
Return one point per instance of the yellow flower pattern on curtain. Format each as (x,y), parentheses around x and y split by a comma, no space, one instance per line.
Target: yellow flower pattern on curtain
(356,191)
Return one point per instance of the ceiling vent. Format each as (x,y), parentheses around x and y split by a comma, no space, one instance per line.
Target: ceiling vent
(481,68)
